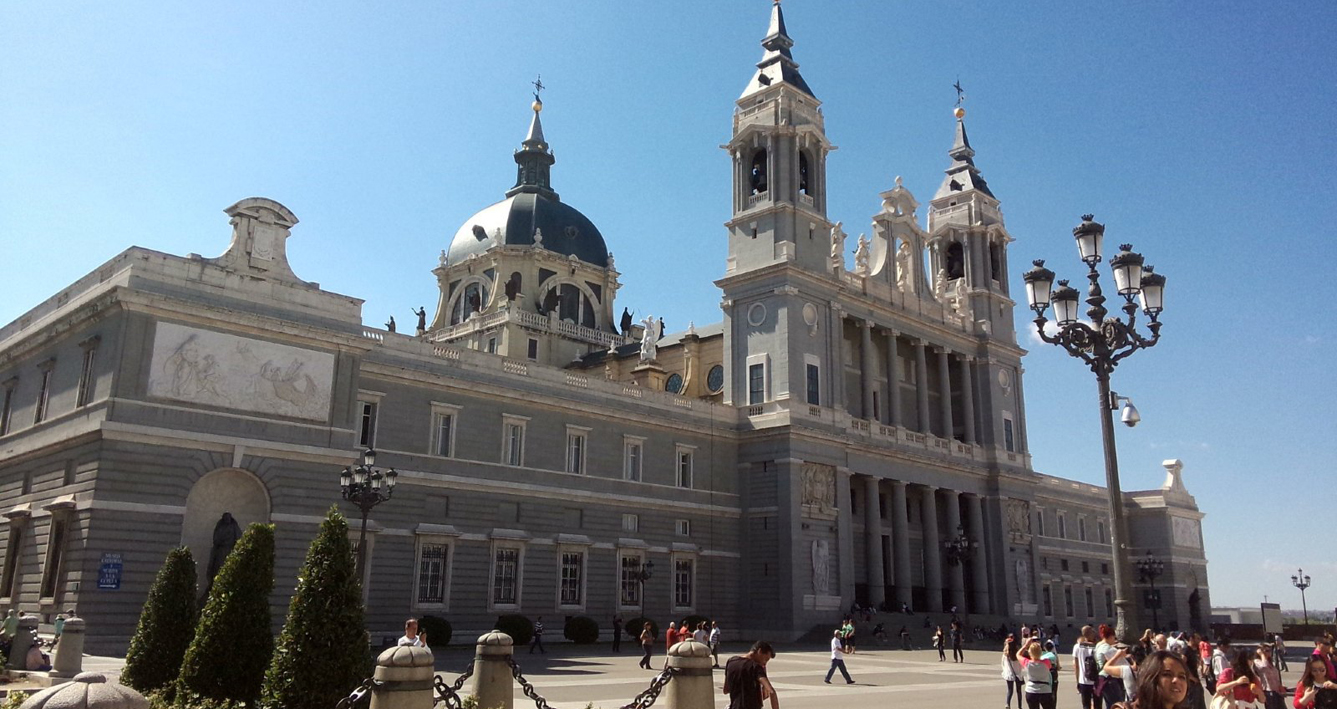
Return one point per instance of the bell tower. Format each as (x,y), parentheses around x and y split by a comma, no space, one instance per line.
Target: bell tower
(779,150)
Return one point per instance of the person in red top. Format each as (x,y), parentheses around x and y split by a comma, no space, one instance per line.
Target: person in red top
(1323,649)
(1240,680)
(1314,680)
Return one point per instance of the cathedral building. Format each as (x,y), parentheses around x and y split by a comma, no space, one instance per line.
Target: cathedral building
(840,436)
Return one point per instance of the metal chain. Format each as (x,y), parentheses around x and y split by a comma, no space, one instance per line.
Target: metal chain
(449,693)
(528,688)
(357,695)
(651,693)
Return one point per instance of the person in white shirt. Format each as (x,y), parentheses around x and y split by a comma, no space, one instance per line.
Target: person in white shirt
(412,638)
(1114,667)
(715,642)
(1085,648)
(837,660)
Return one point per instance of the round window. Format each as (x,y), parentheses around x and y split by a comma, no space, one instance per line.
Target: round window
(715,379)
(674,384)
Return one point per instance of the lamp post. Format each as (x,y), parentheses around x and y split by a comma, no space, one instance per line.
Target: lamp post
(642,573)
(960,548)
(1149,568)
(1101,344)
(366,487)
(1300,581)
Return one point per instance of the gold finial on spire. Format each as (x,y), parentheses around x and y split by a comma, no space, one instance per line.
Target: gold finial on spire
(538,86)
(960,99)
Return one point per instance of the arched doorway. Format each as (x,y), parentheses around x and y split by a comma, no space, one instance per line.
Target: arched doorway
(226,490)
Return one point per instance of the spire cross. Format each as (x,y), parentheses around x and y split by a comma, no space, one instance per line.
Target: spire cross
(538,86)
(960,92)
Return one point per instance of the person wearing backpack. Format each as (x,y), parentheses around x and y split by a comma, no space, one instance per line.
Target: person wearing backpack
(1085,669)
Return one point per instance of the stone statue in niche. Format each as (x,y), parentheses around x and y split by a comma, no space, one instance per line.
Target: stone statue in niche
(821,567)
(861,256)
(654,329)
(818,486)
(837,243)
(226,534)
(1025,591)
(940,286)
(904,267)
(421,312)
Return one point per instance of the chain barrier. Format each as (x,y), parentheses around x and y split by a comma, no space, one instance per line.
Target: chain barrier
(528,688)
(651,693)
(358,695)
(448,694)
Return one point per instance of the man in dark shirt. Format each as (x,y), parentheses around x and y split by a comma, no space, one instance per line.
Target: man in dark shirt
(745,678)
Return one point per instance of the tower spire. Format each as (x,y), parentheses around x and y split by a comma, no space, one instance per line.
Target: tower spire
(534,159)
(962,175)
(777,64)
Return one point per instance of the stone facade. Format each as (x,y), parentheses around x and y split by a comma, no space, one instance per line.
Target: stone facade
(817,447)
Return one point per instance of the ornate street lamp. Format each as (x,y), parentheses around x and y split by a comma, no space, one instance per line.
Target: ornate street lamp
(640,574)
(960,548)
(1102,342)
(366,487)
(1300,581)
(1148,569)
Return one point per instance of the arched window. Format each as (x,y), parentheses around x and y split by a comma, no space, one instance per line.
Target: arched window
(956,260)
(571,303)
(803,182)
(758,178)
(471,300)
(996,261)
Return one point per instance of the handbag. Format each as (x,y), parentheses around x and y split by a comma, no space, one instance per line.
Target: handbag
(1223,701)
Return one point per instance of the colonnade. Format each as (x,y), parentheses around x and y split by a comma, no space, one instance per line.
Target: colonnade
(951,366)
(938,507)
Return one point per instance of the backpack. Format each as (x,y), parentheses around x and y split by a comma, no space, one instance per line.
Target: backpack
(1089,667)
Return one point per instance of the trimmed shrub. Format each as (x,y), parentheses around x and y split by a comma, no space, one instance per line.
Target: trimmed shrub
(633,628)
(520,628)
(321,654)
(166,626)
(233,644)
(15,700)
(581,630)
(438,630)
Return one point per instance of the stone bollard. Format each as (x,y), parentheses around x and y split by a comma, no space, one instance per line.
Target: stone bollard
(23,641)
(405,674)
(69,656)
(88,690)
(693,685)
(494,685)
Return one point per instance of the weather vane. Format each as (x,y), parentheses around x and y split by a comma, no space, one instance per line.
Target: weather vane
(538,86)
(960,92)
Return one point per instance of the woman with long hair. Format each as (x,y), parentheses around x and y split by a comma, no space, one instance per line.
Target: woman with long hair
(1115,672)
(1197,697)
(938,644)
(1039,679)
(1239,680)
(1162,683)
(1012,671)
(1269,677)
(1314,681)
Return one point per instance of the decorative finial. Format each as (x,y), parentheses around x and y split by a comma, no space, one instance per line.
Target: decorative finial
(1038,263)
(1125,247)
(1088,217)
(538,86)
(960,99)
(898,181)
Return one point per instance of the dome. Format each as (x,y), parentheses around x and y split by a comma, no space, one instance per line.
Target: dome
(512,222)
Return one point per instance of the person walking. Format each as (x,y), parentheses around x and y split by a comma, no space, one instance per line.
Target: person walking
(1279,652)
(1050,655)
(1240,681)
(537,640)
(958,642)
(715,643)
(1036,673)
(745,680)
(670,637)
(1084,667)
(838,660)
(647,644)
(1220,661)
(617,632)
(1114,670)
(1012,671)
(905,638)
(938,642)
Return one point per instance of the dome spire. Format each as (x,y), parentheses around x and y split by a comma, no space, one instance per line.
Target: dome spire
(777,64)
(962,175)
(534,159)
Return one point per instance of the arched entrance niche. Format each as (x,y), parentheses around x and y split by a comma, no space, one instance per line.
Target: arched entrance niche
(232,490)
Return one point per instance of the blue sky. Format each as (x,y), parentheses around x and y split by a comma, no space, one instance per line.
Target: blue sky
(1200,132)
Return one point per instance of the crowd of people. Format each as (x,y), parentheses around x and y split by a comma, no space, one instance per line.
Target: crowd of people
(37,658)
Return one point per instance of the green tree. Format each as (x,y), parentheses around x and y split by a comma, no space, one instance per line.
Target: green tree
(166,625)
(232,646)
(322,652)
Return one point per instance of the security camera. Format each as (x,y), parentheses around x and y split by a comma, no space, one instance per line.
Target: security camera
(1130,415)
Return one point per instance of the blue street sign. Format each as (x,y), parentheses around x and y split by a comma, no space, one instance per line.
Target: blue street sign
(109,574)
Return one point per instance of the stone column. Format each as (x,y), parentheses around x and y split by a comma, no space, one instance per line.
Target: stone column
(945,391)
(979,565)
(866,364)
(893,380)
(872,524)
(956,579)
(968,397)
(693,685)
(69,655)
(22,642)
(900,529)
(493,685)
(928,509)
(921,386)
(405,676)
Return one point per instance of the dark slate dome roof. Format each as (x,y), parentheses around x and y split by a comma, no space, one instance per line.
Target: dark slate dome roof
(565,230)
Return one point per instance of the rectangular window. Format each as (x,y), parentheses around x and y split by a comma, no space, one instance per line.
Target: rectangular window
(1009,440)
(756,384)
(8,407)
(877,416)
(85,393)
(629,580)
(1067,601)
(55,554)
(1109,603)
(631,523)
(633,454)
(432,560)
(443,430)
(684,467)
(43,394)
(367,424)
(684,527)
(491,345)
(1063,563)
(1090,603)
(513,441)
(1105,569)
(814,385)
(1100,531)
(11,561)
(684,580)
(505,576)
(1081,528)
(533,348)
(1039,523)
(1062,527)
(1086,567)
(572,579)
(1048,600)
(575,450)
